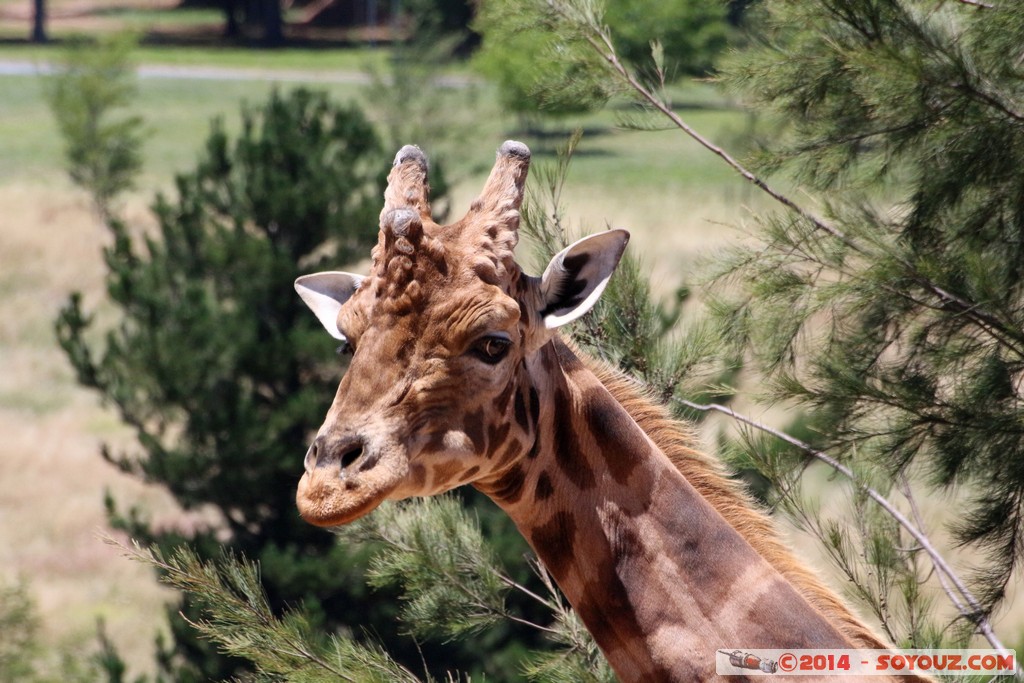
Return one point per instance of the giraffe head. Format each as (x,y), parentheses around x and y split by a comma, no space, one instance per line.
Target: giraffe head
(439,331)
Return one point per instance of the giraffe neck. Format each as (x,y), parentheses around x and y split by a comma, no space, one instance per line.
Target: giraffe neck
(658,576)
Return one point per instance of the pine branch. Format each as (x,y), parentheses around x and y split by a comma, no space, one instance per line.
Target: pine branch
(598,37)
(600,40)
(973,612)
(238,618)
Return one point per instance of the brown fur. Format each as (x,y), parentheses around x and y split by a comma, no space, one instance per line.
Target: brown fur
(728,497)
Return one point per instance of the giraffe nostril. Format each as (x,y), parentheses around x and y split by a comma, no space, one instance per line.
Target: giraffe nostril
(351,456)
(312,455)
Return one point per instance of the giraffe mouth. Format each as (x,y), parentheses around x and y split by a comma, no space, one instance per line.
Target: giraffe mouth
(328,497)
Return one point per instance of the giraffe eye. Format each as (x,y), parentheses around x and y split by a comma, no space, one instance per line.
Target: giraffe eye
(492,348)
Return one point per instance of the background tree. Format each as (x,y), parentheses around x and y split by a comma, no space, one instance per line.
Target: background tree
(271,18)
(103,149)
(214,364)
(692,34)
(524,58)
(28,656)
(444,20)
(39,21)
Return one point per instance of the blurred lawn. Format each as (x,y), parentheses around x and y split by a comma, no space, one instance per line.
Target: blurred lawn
(354,59)
(178,112)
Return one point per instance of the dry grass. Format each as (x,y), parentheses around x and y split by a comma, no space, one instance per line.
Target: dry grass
(53,478)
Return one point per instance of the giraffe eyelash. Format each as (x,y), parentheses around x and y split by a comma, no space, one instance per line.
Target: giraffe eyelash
(492,348)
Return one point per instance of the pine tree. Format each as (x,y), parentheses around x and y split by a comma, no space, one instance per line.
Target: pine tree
(519,55)
(896,317)
(103,154)
(214,365)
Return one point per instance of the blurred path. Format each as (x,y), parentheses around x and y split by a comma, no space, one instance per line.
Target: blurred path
(11,67)
(17,67)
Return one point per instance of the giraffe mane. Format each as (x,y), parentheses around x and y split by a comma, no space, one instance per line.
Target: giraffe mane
(729,498)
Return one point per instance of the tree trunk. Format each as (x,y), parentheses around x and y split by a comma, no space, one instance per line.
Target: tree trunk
(232,29)
(39,22)
(273,23)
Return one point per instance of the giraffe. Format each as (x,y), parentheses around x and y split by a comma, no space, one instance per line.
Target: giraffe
(459,376)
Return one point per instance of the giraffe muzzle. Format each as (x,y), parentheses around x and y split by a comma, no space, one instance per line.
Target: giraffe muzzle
(346,478)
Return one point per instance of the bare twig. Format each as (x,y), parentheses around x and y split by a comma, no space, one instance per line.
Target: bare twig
(904,487)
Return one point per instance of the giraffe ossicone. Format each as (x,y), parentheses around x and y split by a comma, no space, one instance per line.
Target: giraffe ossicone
(459,376)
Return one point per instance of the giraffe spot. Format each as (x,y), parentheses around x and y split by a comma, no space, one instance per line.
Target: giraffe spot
(534,407)
(554,542)
(436,442)
(691,550)
(446,471)
(509,489)
(543,488)
(534,449)
(568,453)
(625,541)
(613,431)
(568,361)
(470,473)
(419,475)
(608,614)
(512,448)
(548,360)
(768,617)
(520,411)
(496,435)
(501,402)
(474,427)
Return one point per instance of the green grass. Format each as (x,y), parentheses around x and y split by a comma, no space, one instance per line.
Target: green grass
(177,115)
(178,112)
(349,59)
(134,16)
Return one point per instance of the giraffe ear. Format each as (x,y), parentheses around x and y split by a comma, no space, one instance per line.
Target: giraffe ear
(576,276)
(325,293)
